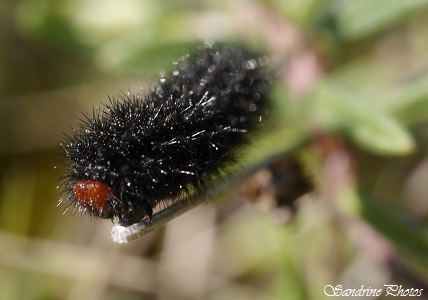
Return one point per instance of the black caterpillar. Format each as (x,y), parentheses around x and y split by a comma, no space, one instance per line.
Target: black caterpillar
(136,152)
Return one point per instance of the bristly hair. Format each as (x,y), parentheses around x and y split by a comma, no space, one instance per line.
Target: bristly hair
(139,151)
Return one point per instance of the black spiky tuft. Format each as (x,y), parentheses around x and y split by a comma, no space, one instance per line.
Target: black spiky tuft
(144,150)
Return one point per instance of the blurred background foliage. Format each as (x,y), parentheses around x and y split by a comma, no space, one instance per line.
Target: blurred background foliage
(353,75)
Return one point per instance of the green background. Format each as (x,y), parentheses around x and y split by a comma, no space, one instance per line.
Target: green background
(354,72)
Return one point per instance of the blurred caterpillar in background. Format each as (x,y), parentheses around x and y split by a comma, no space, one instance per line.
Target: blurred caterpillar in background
(136,152)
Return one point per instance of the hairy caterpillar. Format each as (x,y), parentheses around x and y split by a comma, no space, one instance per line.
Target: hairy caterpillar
(136,152)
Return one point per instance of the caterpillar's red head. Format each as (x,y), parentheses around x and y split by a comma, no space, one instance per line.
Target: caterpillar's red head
(100,199)
(96,197)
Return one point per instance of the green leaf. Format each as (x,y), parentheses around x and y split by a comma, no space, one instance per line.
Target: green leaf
(361,18)
(369,126)
(408,101)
